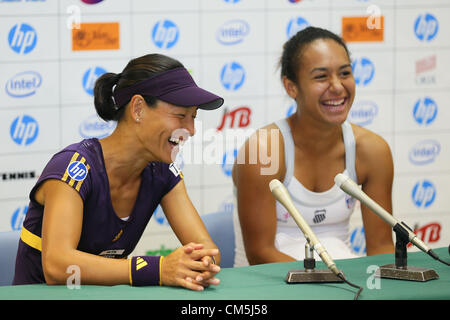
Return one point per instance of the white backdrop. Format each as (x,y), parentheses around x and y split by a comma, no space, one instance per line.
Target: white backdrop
(48,67)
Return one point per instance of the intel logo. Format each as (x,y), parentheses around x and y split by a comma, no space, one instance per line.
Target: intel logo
(424,152)
(94,127)
(232,32)
(23,84)
(363,112)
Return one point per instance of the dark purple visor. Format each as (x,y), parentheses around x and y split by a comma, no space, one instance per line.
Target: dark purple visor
(175,86)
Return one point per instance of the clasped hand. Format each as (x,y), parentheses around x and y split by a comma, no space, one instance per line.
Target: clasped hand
(190,266)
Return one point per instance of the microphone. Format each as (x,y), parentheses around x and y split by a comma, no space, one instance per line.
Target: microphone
(281,194)
(352,189)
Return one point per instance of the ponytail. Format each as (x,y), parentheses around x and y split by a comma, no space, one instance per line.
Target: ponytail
(103,97)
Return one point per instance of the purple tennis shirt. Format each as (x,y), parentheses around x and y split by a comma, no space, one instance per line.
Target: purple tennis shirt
(82,167)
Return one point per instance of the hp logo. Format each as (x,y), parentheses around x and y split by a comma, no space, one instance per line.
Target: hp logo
(22,38)
(90,76)
(17,217)
(423,194)
(363,70)
(165,34)
(228,161)
(232,76)
(426,27)
(160,217)
(358,240)
(295,25)
(291,110)
(77,170)
(24,130)
(425,111)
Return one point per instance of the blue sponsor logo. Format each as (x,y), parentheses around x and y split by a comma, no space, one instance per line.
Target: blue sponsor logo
(231,1)
(165,34)
(291,110)
(363,71)
(228,161)
(160,217)
(23,84)
(22,38)
(232,76)
(425,111)
(424,152)
(363,112)
(227,206)
(17,218)
(426,27)
(358,240)
(295,25)
(94,127)
(423,194)
(24,130)
(77,170)
(232,32)
(90,76)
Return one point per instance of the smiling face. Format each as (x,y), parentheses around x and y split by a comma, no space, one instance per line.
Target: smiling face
(325,86)
(162,128)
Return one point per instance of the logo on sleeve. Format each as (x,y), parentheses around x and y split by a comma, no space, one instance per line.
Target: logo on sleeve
(77,171)
(176,172)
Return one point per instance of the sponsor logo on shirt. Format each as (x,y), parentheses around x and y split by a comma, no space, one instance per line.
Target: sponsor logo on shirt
(176,172)
(319,215)
(77,170)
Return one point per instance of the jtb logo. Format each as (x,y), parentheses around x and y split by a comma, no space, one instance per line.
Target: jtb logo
(165,34)
(24,130)
(295,25)
(363,70)
(77,171)
(17,217)
(425,111)
(90,76)
(428,233)
(232,76)
(423,194)
(426,27)
(242,113)
(22,38)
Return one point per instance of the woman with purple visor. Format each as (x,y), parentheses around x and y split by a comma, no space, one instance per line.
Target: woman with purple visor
(94,199)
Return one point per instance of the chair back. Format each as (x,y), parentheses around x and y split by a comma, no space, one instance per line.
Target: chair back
(9,241)
(221,230)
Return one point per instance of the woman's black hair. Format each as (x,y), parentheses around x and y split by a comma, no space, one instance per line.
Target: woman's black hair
(136,70)
(293,49)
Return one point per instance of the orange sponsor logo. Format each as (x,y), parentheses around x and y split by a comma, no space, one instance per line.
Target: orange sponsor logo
(363,29)
(96,36)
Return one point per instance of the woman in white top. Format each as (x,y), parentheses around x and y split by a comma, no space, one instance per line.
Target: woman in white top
(314,145)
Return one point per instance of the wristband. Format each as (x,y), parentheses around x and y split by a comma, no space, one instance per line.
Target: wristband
(145,271)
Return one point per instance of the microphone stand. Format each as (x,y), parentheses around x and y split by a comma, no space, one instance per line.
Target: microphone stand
(400,270)
(310,274)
